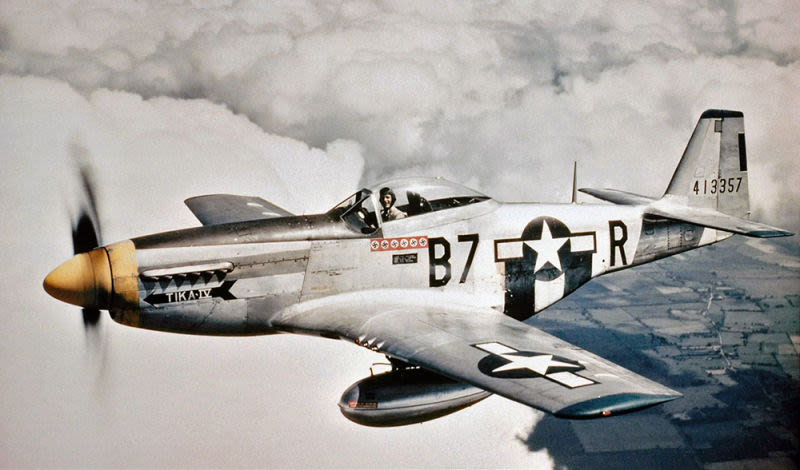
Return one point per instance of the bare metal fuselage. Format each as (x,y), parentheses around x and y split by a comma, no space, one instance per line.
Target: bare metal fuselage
(233,279)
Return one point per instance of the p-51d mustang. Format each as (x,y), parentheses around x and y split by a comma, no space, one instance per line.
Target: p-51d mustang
(436,276)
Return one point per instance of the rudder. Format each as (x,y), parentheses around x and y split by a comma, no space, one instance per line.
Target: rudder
(713,170)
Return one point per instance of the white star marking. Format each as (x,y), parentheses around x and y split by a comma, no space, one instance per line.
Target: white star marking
(539,364)
(546,248)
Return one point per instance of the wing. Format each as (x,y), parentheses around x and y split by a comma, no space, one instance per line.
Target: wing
(216,209)
(481,347)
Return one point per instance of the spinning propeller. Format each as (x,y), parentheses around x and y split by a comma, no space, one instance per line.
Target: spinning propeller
(85,279)
(86,233)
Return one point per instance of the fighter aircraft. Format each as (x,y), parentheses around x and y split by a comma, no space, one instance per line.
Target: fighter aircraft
(434,275)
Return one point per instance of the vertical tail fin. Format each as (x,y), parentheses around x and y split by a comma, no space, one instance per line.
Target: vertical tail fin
(713,170)
(709,187)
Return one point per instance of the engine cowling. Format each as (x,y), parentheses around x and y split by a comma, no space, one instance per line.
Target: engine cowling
(406,396)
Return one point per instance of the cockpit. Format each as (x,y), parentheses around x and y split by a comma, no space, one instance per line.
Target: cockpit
(369,208)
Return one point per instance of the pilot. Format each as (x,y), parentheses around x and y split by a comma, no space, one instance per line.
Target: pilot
(390,212)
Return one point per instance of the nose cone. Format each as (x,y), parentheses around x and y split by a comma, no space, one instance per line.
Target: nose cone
(83,280)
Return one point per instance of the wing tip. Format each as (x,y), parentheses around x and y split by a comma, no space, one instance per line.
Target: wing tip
(770,233)
(612,405)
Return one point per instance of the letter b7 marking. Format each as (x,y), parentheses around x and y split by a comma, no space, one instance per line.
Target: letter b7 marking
(444,259)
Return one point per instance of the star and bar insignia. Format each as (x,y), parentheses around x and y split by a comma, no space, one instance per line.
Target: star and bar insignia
(505,362)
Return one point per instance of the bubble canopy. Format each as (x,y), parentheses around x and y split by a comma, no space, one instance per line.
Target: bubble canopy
(364,212)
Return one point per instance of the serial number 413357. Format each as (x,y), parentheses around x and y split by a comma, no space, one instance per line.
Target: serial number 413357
(717,185)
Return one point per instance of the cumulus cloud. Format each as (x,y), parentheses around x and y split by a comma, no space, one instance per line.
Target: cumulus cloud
(141,146)
(493,94)
(299,102)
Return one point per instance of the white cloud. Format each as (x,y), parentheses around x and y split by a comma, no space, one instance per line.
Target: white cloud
(413,82)
(298,101)
(139,147)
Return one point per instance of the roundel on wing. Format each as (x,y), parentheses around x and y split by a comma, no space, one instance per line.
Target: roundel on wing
(512,366)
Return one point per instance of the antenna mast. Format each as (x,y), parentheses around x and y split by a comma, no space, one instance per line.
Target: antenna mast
(574,182)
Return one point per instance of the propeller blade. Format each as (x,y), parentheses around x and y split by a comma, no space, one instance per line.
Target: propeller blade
(85,235)
(86,231)
(91,316)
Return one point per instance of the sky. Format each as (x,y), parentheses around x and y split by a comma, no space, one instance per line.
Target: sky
(302,103)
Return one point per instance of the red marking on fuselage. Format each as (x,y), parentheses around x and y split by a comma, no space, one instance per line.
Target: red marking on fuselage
(399,243)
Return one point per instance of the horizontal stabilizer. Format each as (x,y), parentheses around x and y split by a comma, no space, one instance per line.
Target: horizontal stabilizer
(713,219)
(214,209)
(668,208)
(618,197)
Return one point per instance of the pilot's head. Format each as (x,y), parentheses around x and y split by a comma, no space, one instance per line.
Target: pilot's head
(387,198)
